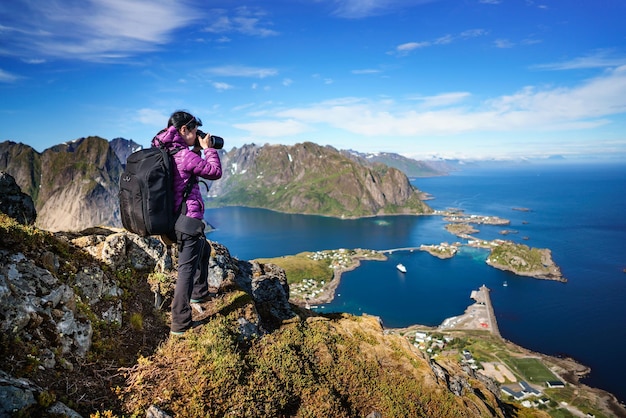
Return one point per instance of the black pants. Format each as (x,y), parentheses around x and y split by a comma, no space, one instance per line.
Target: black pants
(193,264)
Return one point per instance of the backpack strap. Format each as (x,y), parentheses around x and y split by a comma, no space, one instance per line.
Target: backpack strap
(192,180)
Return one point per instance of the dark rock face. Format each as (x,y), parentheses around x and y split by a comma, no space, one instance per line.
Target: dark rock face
(267,284)
(80,186)
(24,164)
(123,148)
(14,203)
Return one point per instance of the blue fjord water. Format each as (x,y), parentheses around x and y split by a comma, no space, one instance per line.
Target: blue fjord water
(577,211)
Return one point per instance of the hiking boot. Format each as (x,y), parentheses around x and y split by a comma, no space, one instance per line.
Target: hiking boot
(203,299)
(181,333)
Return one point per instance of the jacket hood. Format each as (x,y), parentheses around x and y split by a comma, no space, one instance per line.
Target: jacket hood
(169,138)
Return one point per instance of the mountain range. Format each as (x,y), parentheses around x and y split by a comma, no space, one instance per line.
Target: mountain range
(74,185)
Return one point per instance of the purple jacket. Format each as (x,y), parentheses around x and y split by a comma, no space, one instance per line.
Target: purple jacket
(188,163)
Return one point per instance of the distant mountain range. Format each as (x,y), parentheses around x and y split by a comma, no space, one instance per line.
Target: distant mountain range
(411,167)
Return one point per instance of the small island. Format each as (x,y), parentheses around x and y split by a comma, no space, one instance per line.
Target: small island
(524,260)
(443,250)
(459,217)
(461,230)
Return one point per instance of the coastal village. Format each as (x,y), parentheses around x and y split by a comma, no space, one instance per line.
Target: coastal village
(312,290)
(532,379)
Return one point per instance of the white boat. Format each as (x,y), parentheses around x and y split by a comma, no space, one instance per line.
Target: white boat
(401,268)
(505,284)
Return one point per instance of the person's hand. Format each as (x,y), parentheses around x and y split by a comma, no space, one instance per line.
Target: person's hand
(205,142)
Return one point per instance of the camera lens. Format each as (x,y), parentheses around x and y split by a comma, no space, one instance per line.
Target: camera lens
(217,142)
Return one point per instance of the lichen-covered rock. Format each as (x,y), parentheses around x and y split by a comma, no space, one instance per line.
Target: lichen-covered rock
(19,394)
(267,284)
(31,299)
(122,249)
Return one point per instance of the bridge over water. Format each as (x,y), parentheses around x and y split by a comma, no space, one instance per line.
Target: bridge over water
(392,250)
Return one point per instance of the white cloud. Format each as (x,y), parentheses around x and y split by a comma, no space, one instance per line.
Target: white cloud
(244,20)
(503,43)
(531,109)
(95,30)
(596,59)
(6,77)
(366,71)
(273,129)
(241,71)
(221,86)
(473,33)
(405,48)
(410,46)
(358,9)
(152,117)
(440,100)
(34,61)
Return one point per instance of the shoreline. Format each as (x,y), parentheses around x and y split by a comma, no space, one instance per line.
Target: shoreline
(328,291)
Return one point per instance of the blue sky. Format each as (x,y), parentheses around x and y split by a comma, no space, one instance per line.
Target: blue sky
(423,78)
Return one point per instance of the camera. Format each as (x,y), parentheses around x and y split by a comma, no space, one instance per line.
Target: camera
(216,142)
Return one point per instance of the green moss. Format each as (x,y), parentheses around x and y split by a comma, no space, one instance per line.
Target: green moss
(302,369)
(46,399)
(301,267)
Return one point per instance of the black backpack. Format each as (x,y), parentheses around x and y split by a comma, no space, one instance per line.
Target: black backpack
(146,193)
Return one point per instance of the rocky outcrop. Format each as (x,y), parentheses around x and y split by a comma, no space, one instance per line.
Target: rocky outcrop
(524,260)
(79,318)
(14,203)
(55,309)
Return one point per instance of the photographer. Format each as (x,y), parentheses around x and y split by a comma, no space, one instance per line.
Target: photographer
(191,285)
